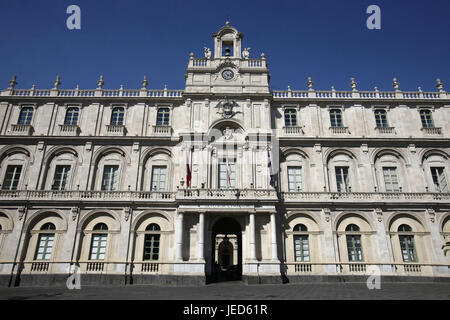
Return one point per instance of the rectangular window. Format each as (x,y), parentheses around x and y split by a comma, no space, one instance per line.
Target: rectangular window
(290,118)
(61,177)
(407,247)
(439,180)
(342,179)
(25,116)
(301,248)
(427,120)
(336,118)
(295,178)
(354,248)
(381,118)
(98,247)
(162,117)
(390,179)
(45,245)
(227,174)
(71,116)
(151,247)
(117,116)
(12,177)
(158,178)
(110,178)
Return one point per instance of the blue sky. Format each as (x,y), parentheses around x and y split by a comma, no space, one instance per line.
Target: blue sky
(125,40)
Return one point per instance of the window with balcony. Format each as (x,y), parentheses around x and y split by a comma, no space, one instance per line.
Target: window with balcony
(71,117)
(427,120)
(354,247)
(61,177)
(12,177)
(152,242)
(407,244)
(439,179)
(290,118)
(110,177)
(381,118)
(227,174)
(295,179)
(301,244)
(117,116)
(390,179)
(98,243)
(342,180)
(25,116)
(336,118)
(45,242)
(162,117)
(159,178)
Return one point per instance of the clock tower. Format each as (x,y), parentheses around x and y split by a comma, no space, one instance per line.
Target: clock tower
(229,69)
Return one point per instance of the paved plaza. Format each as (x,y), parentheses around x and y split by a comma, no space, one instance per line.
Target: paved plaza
(236,291)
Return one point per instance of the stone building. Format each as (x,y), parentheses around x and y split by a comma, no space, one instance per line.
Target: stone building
(226,179)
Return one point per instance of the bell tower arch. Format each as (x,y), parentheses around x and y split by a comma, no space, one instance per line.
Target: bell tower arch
(227,42)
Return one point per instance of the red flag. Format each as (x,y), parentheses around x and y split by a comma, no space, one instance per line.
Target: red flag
(188,172)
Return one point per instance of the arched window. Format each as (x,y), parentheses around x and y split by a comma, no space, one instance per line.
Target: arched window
(152,227)
(407,244)
(100,226)
(352,228)
(152,242)
(354,247)
(162,118)
(301,244)
(381,118)
(404,228)
(45,242)
(300,227)
(98,243)
(26,114)
(290,118)
(48,226)
(427,120)
(336,117)
(71,116)
(117,116)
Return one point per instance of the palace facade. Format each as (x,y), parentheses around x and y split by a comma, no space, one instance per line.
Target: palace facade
(226,179)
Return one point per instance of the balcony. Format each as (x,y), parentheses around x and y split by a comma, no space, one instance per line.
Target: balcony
(339,130)
(365,197)
(86,196)
(431,131)
(293,131)
(162,130)
(69,130)
(227,195)
(116,129)
(21,129)
(385,130)
(365,268)
(222,195)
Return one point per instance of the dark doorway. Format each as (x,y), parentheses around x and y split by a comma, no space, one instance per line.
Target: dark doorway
(226,253)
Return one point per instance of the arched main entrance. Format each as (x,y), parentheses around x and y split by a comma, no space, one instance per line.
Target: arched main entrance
(226,253)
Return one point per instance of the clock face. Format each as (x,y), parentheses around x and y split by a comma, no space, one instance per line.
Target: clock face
(227,74)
